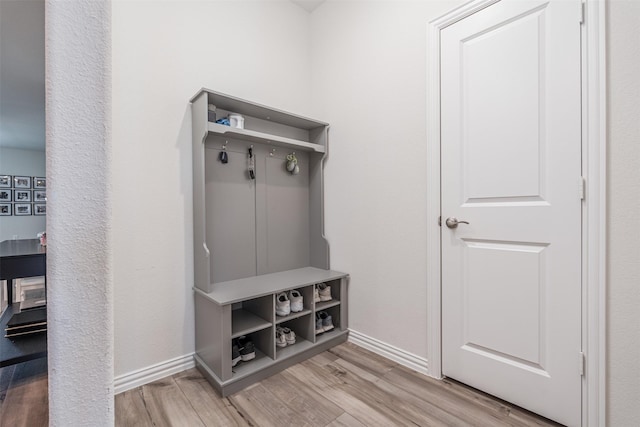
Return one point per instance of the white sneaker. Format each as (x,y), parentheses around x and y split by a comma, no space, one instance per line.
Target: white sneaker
(316,295)
(285,336)
(281,340)
(296,301)
(324,292)
(283,305)
(289,336)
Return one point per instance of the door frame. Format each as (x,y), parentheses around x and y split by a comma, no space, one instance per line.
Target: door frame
(594,216)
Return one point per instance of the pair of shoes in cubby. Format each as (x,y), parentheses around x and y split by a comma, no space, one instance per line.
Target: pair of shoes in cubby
(242,348)
(287,303)
(324,322)
(285,337)
(322,292)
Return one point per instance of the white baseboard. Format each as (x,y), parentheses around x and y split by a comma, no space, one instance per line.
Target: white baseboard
(404,358)
(152,373)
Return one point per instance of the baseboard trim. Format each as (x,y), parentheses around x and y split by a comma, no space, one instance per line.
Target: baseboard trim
(152,373)
(396,354)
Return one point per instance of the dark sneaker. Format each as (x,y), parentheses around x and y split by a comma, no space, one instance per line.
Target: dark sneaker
(319,327)
(235,353)
(247,349)
(327,323)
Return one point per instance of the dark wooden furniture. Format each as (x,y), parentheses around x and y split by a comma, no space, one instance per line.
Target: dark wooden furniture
(20,258)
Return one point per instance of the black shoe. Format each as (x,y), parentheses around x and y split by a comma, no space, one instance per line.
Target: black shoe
(235,353)
(247,349)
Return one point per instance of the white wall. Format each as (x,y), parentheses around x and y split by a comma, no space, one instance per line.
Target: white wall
(624,213)
(369,81)
(367,68)
(163,53)
(15,161)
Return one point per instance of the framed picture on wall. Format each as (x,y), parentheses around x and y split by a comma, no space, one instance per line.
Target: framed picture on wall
(5,196)
(21,182)
(39,209)
(21,196)
(39,196)
(22,209)
(5,181)
(5,209)
(39,182)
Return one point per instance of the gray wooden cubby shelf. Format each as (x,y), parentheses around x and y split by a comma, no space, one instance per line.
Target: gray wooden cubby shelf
(256,237)
(260,137)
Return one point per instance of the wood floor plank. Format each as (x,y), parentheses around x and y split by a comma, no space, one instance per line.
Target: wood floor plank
(394,399)
(357,370)
(456,398)
(5,380)
(323,358)
(345,420)
(262,408)
(26,403)
(529,419)
(212,409)
(168,406)
(468,394)
(417,383)
(432,391)
(308,403)
(363,358)
(130,409)
(347,386)
(353,401)
(515,415)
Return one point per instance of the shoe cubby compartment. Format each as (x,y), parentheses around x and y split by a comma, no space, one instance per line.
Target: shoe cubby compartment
(307,298)
(263,344)
(251,315)
(335,314)
(304,336)
(335,286)
(258,231)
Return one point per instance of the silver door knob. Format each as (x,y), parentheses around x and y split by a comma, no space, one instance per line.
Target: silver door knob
(452,222)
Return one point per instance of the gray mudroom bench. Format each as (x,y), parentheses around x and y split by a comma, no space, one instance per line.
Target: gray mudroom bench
(258,231)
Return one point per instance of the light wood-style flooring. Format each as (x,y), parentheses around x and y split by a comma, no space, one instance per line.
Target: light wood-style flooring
(23,394)
(345,386)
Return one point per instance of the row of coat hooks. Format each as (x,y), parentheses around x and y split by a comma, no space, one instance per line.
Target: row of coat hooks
(291,160)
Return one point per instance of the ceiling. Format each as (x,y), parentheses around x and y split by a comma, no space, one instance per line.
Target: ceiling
(308,5)
(22,116)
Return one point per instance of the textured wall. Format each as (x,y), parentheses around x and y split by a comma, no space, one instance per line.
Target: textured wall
(79,281)
(163,53)
(624,213)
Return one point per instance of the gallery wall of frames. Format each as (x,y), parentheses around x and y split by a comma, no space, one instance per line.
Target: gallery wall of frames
(23,195)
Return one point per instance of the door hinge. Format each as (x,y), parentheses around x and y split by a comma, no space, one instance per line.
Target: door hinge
(440,221)
(582,12)
(581,187)
(582,363)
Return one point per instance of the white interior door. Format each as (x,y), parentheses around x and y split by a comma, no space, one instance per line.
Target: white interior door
(511,167)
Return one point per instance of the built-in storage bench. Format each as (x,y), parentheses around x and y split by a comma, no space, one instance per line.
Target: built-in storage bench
(259,231)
